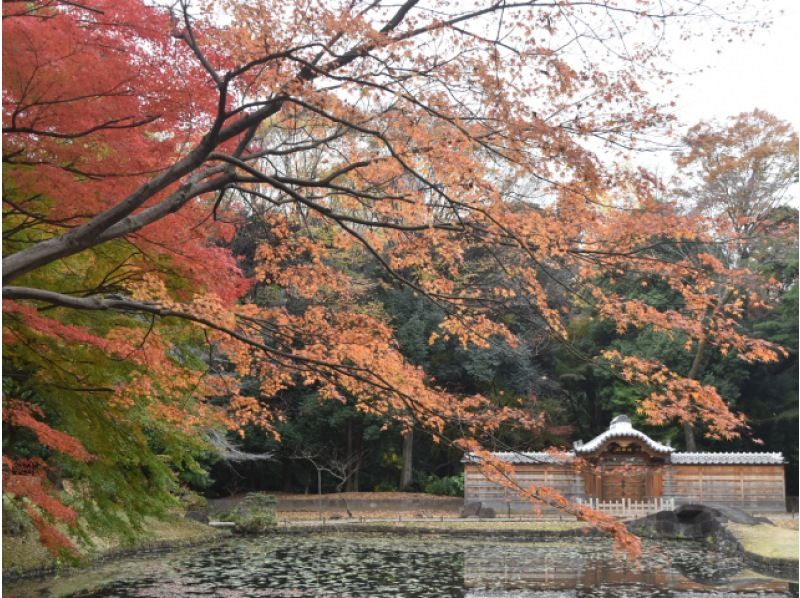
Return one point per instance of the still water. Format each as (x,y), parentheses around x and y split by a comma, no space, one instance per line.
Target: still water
(352,565)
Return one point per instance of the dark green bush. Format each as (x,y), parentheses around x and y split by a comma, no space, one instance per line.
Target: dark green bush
(255,513)
(446,486)
(385,486)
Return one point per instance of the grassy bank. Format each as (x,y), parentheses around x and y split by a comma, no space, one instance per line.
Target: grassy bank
(24,555)
(767,540)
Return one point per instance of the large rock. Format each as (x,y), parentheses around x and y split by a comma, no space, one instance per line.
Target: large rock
(470,509)
(685,522)
(733,515)
(486,513)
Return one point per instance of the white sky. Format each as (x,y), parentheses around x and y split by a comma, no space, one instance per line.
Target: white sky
(714,80)
(763,72)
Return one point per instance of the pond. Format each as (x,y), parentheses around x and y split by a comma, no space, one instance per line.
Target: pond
(359,565)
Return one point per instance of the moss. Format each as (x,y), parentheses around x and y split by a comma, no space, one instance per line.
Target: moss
(25,555)
(767,540)
(15,521)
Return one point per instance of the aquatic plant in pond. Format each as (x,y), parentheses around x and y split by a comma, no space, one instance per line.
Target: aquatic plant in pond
(361,565)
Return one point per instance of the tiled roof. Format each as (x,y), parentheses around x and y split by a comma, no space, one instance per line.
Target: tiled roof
(727,458)
(516,457)
(621,428)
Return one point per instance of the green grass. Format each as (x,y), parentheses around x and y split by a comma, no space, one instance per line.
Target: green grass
(767,540)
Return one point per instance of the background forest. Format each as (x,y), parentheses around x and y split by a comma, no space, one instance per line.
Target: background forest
(568,383)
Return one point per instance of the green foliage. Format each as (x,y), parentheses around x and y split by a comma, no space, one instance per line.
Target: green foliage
(255,513)
(385,486)
(256,501)
(445,486)
(138,458)
(191,501)
(257,523)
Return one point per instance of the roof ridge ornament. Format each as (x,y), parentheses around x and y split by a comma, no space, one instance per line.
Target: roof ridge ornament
(621,427)
(620,419)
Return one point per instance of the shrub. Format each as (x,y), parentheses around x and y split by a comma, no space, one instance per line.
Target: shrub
(257,523)
(194,502)
(385,486)
(256,501)
(255,513)
(445,486)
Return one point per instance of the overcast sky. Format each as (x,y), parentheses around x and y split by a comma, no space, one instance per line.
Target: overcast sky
(758,73)
(715,80)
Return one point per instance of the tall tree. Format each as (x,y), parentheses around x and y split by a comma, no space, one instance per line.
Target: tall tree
(738,173)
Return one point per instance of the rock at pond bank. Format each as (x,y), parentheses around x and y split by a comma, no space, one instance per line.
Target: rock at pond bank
(470,509)
(713,525)
(486,513)
(476,509)
(695,522)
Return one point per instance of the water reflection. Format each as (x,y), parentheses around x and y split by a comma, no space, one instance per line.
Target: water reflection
(668,569)
(357,565)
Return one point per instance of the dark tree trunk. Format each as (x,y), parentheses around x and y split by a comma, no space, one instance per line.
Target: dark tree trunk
(688,435)
(694,374)
(408,460)
(349,484)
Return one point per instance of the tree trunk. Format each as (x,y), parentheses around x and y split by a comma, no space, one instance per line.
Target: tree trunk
(349,458)
(688,435)
(408,460)
(694,374)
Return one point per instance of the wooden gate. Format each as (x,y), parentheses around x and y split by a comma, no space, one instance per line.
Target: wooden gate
(624,481)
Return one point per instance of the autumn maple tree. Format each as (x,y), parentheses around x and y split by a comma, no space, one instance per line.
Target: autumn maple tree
(418,135)
(737,176)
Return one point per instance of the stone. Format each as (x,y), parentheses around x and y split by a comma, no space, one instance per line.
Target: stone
(470,509)
(736,515)
(486,513)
